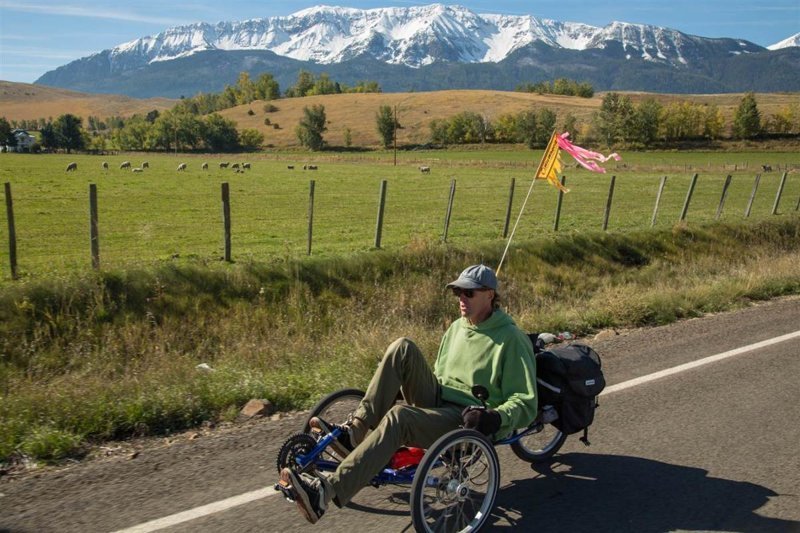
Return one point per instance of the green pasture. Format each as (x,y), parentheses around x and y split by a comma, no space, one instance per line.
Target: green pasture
(162,215)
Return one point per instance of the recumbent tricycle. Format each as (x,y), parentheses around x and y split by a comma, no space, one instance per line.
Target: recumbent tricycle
(454,482)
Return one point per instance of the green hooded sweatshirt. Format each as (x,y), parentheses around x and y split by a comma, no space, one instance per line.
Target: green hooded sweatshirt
(497,355)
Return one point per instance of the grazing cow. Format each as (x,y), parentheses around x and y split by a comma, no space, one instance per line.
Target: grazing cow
(105,165)
(425,170)
(246,165)
(145,165)
(137,169)
(182,167)
(235,165)
(223,165)
(767,168)
(290,167)
(125,164)
(309,167)
(204,166)
(72,166)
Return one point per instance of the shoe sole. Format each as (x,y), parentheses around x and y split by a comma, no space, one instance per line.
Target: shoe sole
(300,496)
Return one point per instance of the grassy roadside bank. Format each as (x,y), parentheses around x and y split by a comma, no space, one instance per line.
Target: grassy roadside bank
(114,354)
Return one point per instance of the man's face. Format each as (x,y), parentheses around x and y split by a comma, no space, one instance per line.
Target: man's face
(475,304)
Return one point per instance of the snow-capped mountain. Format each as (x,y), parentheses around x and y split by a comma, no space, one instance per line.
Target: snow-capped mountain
(426,48)
(794,40)
(413,36)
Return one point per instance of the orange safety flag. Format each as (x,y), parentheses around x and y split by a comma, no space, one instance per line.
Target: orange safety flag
(550,165)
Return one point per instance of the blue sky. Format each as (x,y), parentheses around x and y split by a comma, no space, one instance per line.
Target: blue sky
(40,35)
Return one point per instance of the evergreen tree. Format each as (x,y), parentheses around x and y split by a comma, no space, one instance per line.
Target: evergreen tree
(311,127)
(526,128)
(47,136)
(386,124)
(5,133)
(747,119)
(546,123)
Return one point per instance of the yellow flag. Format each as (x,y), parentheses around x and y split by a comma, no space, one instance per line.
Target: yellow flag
(550,165)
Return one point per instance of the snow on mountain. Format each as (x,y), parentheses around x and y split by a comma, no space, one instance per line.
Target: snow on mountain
(412,36)
(794,40)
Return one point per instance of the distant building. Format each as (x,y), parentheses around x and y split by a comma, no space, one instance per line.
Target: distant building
(24,141)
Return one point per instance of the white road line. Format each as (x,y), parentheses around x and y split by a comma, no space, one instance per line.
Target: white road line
(247,497)
(197,512)
(694,364)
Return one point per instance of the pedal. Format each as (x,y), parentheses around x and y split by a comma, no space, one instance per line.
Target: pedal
(286,489)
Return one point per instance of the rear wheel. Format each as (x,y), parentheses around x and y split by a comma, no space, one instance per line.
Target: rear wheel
(540,445)
(455,484)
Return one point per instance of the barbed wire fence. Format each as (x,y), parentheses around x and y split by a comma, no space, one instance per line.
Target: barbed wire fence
(392,215)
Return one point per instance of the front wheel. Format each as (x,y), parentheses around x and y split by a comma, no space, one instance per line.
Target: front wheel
(541,445)
(455,484)
(335,407)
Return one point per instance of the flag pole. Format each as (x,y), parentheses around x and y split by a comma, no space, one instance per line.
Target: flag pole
(525,202)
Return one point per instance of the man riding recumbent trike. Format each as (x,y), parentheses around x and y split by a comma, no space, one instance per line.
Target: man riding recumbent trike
(441,438)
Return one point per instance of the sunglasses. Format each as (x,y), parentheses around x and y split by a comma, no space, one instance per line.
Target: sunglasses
(469,293)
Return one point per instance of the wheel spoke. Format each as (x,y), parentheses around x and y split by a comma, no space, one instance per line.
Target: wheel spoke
(467,476)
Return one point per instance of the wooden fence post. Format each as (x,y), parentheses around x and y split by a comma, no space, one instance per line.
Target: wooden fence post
(449,209)
(778,195)
(508,210)
(311,186)
(608,202)
(752,196)
(689,194)
(658,200)
(558,204)
(12,232)
(226,221)
(724,195)
(381,206)
(94,231)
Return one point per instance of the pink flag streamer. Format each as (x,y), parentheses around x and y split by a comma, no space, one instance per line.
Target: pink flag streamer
(586,158)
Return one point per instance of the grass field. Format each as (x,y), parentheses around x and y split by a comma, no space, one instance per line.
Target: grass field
(162,215)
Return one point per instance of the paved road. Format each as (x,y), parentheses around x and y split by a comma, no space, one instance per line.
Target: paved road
(713,448)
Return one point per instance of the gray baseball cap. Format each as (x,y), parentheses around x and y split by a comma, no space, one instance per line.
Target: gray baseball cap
(475,277)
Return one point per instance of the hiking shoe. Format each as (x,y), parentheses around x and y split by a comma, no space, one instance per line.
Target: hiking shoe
(351,434)
(310,493)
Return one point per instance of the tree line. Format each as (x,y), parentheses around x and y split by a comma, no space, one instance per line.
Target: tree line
(194,124)
(620,123)
(561,86)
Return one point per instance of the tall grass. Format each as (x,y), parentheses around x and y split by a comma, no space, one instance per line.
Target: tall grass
(112,354)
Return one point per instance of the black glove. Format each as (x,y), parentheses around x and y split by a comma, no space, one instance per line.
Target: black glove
(487,421)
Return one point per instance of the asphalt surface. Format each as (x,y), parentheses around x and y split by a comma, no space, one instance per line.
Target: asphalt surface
(714,448)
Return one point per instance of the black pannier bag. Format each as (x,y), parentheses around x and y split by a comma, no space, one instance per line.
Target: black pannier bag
(573,378)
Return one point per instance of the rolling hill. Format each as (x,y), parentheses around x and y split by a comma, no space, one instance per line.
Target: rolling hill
(23,101)
(355,112)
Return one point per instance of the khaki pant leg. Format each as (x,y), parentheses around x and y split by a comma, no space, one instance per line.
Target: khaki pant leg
(402,425)
(403,367)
